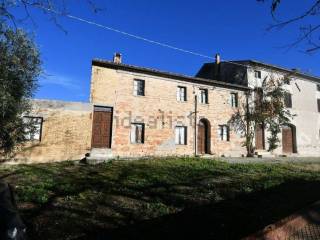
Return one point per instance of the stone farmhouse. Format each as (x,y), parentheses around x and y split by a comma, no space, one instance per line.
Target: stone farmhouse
(136,112)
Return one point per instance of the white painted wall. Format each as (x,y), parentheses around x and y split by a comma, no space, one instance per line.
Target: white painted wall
(304,105)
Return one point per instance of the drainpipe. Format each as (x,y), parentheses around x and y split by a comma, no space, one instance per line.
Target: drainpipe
(195,122)
(248,95)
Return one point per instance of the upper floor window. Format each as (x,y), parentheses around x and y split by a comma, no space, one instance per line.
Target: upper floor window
(137,133)
(318,102)
(203,96)
(138,87)
(181,94)
(181,135)
(34,128)
(234,100)
(318,87)
(224,133)
(288,100)
(257,74)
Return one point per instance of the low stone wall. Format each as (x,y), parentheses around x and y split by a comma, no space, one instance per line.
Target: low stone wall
(66,132)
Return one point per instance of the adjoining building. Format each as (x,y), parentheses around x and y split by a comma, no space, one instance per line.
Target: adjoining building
(302,137)
(136,112)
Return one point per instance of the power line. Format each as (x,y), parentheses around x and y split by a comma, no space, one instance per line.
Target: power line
(134,35)
(124,33)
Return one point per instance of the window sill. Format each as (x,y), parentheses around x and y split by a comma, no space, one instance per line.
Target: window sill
(139,95)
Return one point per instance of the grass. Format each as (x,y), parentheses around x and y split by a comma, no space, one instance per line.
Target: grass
(124,199)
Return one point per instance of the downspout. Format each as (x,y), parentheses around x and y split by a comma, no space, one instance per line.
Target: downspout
(249,148)
(195,122)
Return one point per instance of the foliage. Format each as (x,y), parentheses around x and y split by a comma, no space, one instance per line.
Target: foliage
(268,110)
(53,9)
(19,69)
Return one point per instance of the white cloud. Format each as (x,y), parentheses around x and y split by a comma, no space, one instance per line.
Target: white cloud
(60,80)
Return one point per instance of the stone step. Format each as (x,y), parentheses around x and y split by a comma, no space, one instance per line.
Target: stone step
(96,160)
(263,153)
(100,151)
(99,155)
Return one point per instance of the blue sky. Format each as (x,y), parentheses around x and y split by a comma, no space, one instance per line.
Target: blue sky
(235,29)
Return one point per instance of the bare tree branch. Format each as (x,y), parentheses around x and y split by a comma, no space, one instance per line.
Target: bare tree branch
(52,8)
(307,32)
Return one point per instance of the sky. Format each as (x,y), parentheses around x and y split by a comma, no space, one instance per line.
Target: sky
(234,29)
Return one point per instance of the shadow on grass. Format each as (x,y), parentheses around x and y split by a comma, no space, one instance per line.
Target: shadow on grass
(144,200)
(228,219)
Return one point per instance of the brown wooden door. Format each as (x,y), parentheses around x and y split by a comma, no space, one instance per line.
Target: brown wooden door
(260,137)
(101,129)
(201,138)
(287,140)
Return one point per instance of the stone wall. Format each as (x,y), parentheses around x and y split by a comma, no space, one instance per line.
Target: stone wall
(66,132)
(161,112)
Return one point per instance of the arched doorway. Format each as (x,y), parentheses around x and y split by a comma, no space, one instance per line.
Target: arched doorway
(289,139)
(204,137)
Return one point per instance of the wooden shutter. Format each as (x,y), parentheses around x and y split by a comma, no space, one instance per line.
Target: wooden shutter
(288,100)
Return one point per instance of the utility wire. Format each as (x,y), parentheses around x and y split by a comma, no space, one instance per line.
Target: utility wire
(123,32)
(136,36)
(133,35)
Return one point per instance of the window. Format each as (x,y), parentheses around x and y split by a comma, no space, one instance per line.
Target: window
(257,74)
(181,135)
(318,87)
(137,133)
(181,94)
(318,101)
(138,87)
(224,133)
(288,100)
(33,129)
(234,100)
(203,98)
(287,80)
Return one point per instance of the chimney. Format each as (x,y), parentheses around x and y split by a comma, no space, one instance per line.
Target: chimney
(218,59)
(117,58)
(217,67)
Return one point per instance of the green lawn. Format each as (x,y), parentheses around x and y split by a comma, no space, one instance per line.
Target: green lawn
(159,198)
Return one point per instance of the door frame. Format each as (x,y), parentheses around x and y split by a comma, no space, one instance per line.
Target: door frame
(293,138)
(207,136)
(111,123)
(262,128)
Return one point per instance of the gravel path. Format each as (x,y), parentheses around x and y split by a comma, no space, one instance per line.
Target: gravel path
(272,160)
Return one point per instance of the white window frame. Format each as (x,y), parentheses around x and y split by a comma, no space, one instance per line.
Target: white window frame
(203,96)
(181,94)
(137,85)
(257,74)
(181,135)
(224,133)
(37,134)
(234,100)
(134,137)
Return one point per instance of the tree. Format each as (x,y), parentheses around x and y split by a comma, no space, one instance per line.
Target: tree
(309,30)
(264,106)
(20,67)
(51,8)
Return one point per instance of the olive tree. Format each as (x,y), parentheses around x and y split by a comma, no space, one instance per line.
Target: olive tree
(20,66)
